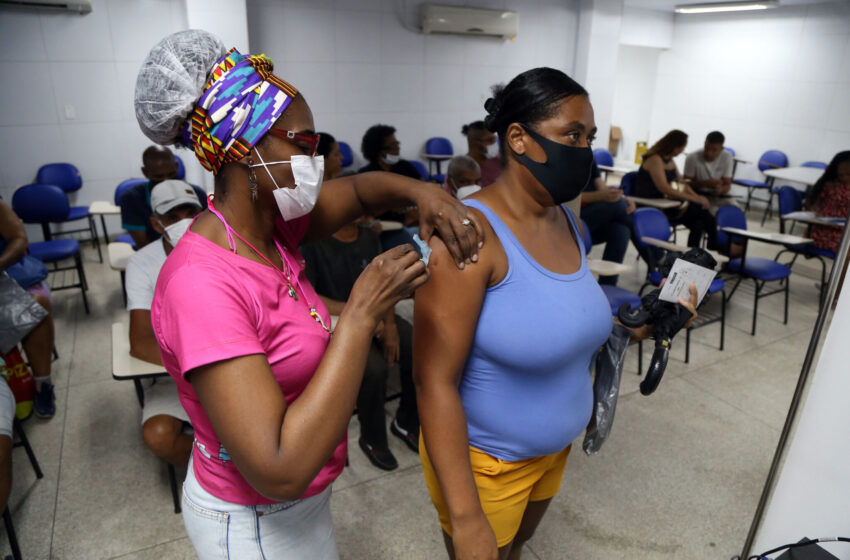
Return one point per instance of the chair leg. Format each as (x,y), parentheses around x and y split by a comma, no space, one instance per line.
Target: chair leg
(175,494)
(687,346)
(83,284)
(12,536)
(124,287)
(95,237)
(722,319)
(767,210)
(56,352)
(755,308)
(787,290)
(749,198)
(25,443)
(822,280)
(640,357)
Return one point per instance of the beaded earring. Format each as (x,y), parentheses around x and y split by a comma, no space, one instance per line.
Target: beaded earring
(252,180)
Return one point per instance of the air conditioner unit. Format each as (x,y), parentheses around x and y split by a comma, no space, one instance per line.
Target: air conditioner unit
(79,6)
(469,21)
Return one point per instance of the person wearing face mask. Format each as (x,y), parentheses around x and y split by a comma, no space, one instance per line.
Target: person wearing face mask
(483,147)
(174,205)
(502,350)
(328,148)
(463,177)
(241,330)
(158,165)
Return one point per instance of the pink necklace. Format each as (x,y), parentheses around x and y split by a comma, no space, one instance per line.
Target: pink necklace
(286,274)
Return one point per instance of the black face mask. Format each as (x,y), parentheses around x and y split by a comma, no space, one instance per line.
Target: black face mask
(566,171)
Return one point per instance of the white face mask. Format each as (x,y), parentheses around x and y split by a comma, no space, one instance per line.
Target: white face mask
(391,159)
(308,173)
(493,150)
(176,230)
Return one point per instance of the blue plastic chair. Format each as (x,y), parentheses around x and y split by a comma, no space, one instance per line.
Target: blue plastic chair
(759,270)
(124,185)
(771,159)
(436,150)
(603,157)
(653,223)
(181,169)
(791,200)
(420,167)
(730,150)
(627,183)
(67,177)
(36,204)
(347,154)
(814,164)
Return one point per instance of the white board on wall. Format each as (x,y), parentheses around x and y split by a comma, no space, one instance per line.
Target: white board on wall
(811,497)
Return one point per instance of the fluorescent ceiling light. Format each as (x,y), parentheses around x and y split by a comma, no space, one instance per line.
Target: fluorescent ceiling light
(725,7)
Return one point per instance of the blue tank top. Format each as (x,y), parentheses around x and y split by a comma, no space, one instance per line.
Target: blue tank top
(526,386)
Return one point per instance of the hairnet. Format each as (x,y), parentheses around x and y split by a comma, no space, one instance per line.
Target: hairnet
(171,81)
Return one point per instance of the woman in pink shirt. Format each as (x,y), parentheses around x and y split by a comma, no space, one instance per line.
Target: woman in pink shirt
(247,339)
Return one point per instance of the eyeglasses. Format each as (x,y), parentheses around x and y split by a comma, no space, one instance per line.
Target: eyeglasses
(302,139)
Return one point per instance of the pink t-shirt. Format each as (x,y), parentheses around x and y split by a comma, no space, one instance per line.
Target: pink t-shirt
(491,170)
(211,305)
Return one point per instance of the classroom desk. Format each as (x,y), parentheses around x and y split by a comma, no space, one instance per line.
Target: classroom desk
(616,169)
(810,218)
(126,367)
(668,246)
(118,254)
(660,203)
(772,238)
(103,208)
(805,175)
(607,268)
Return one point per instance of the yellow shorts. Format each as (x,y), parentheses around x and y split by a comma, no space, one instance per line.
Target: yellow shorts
(504,487)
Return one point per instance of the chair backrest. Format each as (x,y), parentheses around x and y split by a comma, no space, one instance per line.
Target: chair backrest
(729,216)
(627,183)
(588,242)
(730,150)
(603,157)
(772,159)
(651,222)
(38,204)
(814,164)
(124,185)
(439,146)
(64,175)
(181,169)
(420,167)
(347,154)
(790,200)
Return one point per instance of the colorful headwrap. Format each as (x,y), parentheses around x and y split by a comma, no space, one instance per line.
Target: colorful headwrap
(241,101)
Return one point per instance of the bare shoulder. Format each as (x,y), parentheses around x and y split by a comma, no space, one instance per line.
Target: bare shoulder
(442,264)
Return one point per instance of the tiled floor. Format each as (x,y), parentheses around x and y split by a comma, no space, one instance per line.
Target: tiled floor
(679,478)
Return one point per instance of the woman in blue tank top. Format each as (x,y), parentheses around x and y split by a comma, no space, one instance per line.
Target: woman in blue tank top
(502,350)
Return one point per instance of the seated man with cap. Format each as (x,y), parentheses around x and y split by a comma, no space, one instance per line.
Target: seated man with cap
(175,206)
(158,165)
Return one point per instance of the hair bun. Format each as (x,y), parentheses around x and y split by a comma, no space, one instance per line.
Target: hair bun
(491,123)
(492,107)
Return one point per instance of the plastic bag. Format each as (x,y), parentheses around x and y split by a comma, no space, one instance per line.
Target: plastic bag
(19,313)
(606,388)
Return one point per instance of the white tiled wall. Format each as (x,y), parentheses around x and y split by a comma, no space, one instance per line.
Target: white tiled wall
(59,64)
(632,111)
(358,63)
(778,79)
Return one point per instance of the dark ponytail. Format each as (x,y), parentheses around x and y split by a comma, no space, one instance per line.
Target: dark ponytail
(529,98)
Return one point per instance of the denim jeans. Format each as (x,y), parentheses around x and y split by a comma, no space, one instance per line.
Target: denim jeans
(285,531)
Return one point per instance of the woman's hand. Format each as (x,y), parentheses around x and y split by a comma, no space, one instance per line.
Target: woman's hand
(390,277)
(691,304)
(458,227)
(475,540)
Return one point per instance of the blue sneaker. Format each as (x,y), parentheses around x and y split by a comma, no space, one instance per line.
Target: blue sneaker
(45,401)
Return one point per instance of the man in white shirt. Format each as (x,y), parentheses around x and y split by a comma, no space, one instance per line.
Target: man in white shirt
(710,171)
(174,204)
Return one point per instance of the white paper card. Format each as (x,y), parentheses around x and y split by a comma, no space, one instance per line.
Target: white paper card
(680,278)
